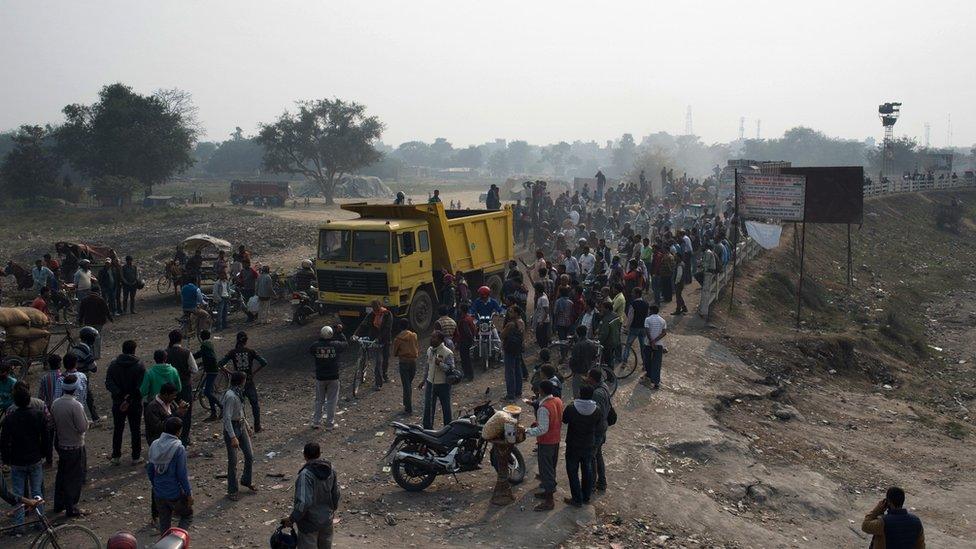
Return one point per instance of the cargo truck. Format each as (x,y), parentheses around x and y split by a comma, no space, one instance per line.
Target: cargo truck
(259,193)
(398,254)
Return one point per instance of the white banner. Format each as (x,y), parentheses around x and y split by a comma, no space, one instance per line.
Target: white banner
(771,197)
(765,234)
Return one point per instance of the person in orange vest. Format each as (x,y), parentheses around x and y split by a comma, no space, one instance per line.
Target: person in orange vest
(547,430)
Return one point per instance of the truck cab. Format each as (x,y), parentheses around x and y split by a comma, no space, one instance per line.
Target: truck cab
(395,254)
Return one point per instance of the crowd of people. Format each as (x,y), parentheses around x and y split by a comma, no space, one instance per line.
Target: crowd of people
(607,263)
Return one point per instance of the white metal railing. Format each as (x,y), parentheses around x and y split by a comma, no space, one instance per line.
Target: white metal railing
(912,185)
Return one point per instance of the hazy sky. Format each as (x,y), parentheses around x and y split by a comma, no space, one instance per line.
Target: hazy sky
(538,70)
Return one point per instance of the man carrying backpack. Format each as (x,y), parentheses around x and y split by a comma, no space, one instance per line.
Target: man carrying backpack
(316,500)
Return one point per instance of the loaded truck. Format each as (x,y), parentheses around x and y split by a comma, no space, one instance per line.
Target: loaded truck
(397,254)
(259,193)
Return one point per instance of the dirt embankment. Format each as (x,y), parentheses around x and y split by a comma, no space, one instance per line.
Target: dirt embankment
(875,389)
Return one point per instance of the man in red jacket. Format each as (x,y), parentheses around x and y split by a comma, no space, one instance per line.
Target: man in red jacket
(547,430)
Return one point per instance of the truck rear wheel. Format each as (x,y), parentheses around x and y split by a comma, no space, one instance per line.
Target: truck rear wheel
(421,312)
(495,283)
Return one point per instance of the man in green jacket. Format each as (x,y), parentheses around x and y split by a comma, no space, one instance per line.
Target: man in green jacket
(160,373)
(608,333)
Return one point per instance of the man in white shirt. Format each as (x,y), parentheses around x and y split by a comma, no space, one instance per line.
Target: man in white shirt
(657,329)
(586,261)
(572,266)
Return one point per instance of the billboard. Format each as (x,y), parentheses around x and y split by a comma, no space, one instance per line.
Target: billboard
(771,197)
(833,194)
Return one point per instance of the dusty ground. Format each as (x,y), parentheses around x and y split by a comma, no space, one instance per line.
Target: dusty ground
(703,462)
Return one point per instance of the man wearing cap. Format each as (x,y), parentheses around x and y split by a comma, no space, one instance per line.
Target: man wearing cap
(326,353)
(70,425)
(83,279)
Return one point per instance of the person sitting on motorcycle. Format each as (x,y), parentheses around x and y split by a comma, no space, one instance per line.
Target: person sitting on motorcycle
(486,306)
(304,277)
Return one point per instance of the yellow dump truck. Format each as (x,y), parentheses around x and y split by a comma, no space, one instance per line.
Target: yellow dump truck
(398,254)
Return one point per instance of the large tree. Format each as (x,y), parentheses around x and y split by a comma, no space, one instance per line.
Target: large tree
(30,169)
(128,135)
(239,155)
(323,141)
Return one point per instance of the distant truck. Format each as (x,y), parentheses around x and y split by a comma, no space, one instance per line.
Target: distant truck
(259,193)
(397,254)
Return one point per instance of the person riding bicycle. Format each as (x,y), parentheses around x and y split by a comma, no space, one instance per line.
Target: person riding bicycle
(194,303)
(304,277)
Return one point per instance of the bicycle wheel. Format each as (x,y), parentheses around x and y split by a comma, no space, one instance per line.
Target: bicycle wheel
(67,536)
(360,377)
(610,379)
(623,370)
(164,285)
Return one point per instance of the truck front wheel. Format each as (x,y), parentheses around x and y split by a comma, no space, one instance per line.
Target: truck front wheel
(421,312)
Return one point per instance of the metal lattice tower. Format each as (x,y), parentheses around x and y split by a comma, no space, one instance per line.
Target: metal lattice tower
(742,128)
(688,127)
(928,129)
(888,113)
(758,127)
(949,131)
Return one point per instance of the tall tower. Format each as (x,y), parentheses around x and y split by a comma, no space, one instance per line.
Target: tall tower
(758,127)
(928,129)
(688,127)
(742,128)
(888,113)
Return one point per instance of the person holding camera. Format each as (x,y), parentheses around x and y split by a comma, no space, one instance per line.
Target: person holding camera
(892,525)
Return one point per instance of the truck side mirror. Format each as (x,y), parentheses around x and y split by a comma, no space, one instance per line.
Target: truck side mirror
(407,245)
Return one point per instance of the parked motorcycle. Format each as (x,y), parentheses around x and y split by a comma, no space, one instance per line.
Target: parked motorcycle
(305,306)
(420,455)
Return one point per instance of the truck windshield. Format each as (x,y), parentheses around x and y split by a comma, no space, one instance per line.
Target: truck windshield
(334,245)
(371,247)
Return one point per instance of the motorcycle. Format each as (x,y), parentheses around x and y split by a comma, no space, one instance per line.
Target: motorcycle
(419,455)
(305,305)
(488,346)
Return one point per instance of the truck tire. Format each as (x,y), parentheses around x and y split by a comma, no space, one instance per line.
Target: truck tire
(495,283)
(421,312)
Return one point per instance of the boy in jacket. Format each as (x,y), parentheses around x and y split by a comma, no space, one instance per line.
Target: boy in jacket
(316,501)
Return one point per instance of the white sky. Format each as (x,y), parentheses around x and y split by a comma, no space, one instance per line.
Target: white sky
(538,70)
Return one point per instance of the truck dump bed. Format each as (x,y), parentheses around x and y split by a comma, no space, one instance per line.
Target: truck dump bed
(460,240)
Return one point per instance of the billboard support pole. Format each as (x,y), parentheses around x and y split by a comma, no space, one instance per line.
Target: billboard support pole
(735,240)
(799,287)
(850,260)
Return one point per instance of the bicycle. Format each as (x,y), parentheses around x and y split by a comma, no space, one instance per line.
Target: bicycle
(564,373)
(367,354)
(64,536)
(220,387)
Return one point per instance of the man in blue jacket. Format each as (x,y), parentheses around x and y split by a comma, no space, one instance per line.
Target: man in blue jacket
(193,302)
(168,475)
